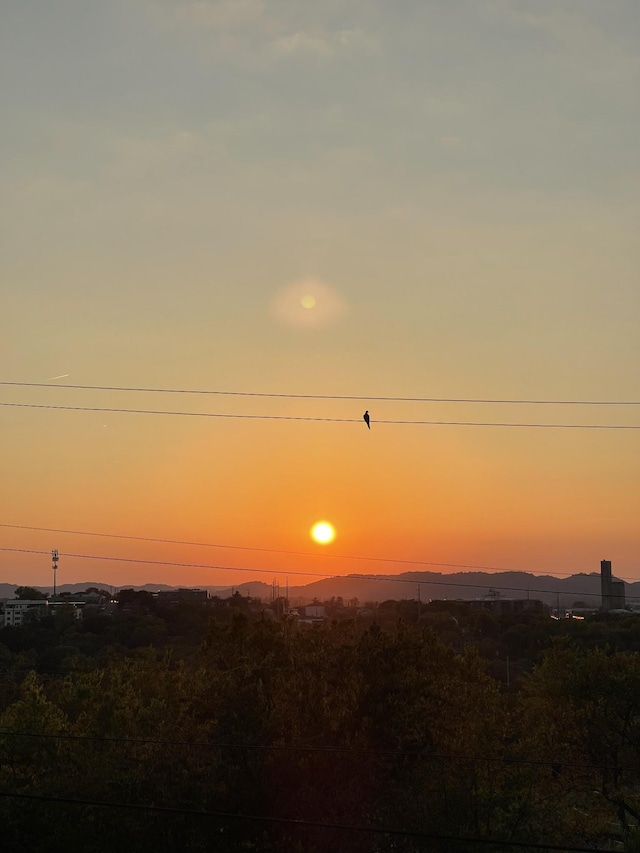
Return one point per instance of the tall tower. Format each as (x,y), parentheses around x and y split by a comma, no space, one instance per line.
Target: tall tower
(54,566)
(612,591)
(605,584)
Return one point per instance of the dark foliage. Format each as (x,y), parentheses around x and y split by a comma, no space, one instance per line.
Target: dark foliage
(430,719)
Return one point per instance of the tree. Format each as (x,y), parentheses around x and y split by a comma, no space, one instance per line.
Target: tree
(29,593)
(141,600)
(584,710)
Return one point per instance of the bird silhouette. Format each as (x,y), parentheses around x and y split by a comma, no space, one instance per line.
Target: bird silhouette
(366,419)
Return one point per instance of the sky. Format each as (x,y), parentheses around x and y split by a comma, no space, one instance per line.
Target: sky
(367,199)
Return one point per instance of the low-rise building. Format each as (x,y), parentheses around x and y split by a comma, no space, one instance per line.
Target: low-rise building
(77,606)
(505,605)
(178,596)
(18,610)
(309,614)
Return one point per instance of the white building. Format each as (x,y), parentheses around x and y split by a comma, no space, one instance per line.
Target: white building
(309,614)
(18,610)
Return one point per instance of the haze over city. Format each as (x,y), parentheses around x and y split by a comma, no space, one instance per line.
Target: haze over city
(335,203)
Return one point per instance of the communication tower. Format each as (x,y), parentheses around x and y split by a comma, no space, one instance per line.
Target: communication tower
(54,566)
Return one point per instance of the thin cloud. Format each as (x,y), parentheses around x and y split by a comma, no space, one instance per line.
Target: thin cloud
(322,43)
(301,42)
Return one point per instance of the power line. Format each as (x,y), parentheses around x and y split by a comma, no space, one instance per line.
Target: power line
(33,667)
(117,410)
(323,555)
(142,390)
(379,579)
(302,822)
(409,753)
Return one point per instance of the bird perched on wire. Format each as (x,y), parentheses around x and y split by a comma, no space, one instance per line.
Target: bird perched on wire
(367,419)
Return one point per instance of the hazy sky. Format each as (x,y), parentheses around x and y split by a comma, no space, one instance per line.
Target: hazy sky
(454,182)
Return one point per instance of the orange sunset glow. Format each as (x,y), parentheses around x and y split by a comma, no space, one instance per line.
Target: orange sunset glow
(320,425)
(205,287)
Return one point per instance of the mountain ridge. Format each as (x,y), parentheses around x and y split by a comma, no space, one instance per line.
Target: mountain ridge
(414,584)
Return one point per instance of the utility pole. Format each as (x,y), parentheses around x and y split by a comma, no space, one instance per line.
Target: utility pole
(54,566)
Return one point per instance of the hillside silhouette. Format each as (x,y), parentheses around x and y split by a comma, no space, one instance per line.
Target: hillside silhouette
(376,588)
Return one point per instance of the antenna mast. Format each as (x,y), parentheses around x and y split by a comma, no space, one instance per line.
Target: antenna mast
(54,566)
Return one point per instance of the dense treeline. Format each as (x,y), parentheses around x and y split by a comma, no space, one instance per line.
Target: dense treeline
(377,722)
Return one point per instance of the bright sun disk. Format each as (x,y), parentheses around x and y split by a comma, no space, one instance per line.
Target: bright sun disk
(323,532)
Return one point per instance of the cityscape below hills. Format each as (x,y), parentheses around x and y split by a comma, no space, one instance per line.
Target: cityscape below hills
(584,588)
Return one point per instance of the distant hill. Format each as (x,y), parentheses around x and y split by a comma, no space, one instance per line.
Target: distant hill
(7,590)
(435,585)
(429,585)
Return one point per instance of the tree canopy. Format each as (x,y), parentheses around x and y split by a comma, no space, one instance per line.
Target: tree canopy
(375,722)
(29,593)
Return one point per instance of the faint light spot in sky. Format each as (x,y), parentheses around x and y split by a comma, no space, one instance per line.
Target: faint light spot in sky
(308,303)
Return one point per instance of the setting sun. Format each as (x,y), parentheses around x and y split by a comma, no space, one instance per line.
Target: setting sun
(323,532)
